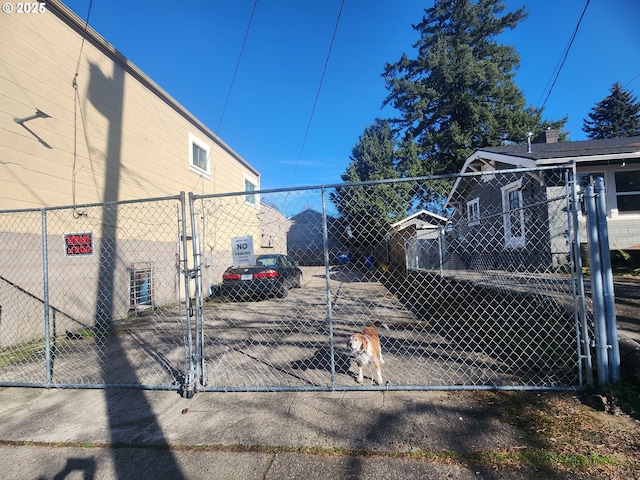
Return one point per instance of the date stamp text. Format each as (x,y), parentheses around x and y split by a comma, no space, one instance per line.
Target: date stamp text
(24,7)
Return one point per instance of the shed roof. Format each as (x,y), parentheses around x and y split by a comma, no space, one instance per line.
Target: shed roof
(421,219)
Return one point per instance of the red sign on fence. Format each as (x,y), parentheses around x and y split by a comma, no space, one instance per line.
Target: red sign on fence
(77,244)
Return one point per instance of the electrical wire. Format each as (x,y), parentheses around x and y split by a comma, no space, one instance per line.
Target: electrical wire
(233,79)
(76,101)
(564,58)
(631,81)
(315,103)
(86,25)
(624,86)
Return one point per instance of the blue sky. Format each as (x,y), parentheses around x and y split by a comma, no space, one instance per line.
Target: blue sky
(192,48)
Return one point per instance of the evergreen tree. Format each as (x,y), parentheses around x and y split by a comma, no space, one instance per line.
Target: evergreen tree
(459,93)
(618,115)
(367,210)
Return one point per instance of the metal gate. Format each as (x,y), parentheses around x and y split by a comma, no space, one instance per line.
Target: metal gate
(93,296)
(488,296)
(474,282)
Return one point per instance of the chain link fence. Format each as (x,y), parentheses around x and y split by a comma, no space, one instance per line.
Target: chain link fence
(471,289)
(91,296)
(471,281)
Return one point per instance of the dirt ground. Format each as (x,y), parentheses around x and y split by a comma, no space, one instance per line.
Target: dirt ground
(574,435)
(591,434)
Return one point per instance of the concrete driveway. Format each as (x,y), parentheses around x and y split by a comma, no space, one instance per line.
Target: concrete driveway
(286,343)
(289,343)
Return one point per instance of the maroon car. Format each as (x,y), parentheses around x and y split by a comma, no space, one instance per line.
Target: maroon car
(271,276)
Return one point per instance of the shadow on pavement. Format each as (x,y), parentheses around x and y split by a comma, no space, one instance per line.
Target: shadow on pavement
(123,406)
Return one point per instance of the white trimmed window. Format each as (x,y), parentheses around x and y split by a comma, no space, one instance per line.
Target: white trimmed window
(622,189)
(473,211)
(628,190)
(513,218)
(199,153)
(250,186)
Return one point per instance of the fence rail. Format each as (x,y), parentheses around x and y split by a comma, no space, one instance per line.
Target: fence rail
(472,281)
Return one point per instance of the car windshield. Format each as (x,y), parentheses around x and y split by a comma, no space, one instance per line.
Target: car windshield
(267,261)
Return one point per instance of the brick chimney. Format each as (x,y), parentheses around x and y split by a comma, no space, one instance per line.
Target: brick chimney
(550,135)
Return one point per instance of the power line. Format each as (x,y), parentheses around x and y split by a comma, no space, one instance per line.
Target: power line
(86,25)
(306,134)
(76,102)
(624,86)
(564,58)
(631,81)
(244,42)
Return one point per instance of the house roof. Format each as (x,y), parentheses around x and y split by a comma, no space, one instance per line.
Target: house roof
(564,152)
(310,214)
(423,218)
(547,154)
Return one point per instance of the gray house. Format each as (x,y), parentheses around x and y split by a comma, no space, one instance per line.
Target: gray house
(305,241)
(526,236)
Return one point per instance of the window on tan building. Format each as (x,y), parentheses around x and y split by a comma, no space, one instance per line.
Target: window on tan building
(199,156)
(250,197)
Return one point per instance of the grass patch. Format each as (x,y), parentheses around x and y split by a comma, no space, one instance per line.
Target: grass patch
(543,462)
(566,434)
(20,353)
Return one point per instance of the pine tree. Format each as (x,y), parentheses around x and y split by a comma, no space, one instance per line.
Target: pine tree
(618,115)
(459,93)
(367,210)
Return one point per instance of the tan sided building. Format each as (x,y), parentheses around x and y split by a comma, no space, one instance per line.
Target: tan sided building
(111,132)
(81,125)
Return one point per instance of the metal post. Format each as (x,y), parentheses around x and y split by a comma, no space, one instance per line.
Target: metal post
(188,389)
(573,227)
(602,355)
(406,257)
(325,241)
(198,302)
(607,277)
(45,296)
(441,251)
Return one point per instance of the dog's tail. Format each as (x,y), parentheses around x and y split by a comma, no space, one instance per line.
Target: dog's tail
(378,323)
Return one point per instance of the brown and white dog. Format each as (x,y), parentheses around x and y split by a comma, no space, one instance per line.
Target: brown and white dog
(365,349)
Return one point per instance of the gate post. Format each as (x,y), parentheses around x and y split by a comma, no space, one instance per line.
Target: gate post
(584,343)
(198,300)
(45,298)
(607,277)
(188,386)
(325,241)
(602,347)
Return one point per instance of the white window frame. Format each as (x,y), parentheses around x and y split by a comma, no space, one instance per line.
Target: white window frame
(473,211)
(620,194)
(193,140)
(608,171)
(511,240)
(256,186)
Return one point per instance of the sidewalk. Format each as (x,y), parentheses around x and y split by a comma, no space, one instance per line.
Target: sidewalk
(127,434)
(136,434)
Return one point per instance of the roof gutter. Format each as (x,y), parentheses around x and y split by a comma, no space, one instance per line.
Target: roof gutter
(589,158)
